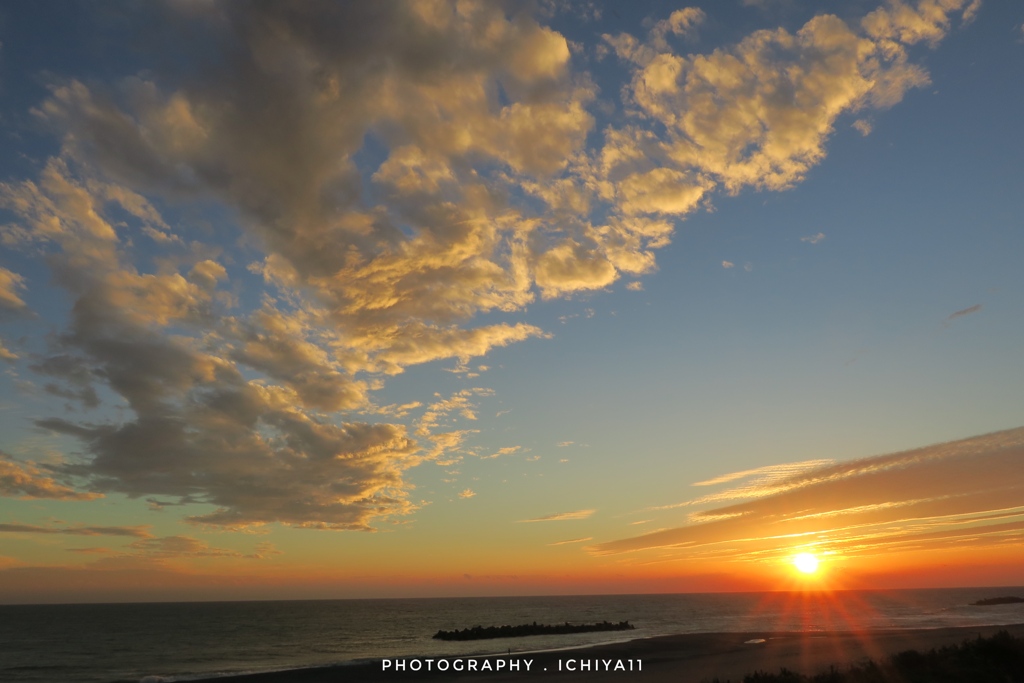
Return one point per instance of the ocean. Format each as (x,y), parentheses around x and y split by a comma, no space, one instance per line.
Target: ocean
(107,643)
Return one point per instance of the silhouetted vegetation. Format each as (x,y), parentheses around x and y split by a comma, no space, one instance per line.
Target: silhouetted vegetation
(534,629)
(997,659)
(1008,600)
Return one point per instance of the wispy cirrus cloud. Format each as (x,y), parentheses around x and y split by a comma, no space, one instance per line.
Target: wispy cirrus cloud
(562,516)
(572,540)
(760,482)
(951,494)
(167,547)
(141,531)
(93,550)
(157,552)
(766,473)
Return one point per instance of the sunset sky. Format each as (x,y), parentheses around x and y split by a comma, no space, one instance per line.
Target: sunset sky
(322,299)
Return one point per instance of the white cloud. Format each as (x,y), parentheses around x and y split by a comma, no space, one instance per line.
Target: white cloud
(971,11)
(758,113)
(561,516)
(928,21)
(682,22)
(507,450)
(863,126)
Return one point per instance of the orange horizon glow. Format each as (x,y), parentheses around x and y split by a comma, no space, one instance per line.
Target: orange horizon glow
(834,575)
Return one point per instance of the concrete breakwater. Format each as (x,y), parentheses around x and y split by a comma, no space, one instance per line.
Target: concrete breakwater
(534,629)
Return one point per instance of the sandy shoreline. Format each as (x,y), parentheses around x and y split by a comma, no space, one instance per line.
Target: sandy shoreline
(682,658)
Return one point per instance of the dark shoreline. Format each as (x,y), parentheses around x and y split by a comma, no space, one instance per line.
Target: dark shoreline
(691,657)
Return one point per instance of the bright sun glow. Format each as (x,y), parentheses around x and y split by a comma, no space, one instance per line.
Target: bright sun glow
(806,563)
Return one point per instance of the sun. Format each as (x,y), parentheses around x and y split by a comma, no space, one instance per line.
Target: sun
(806,563)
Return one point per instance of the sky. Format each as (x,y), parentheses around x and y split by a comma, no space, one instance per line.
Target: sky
(336,300)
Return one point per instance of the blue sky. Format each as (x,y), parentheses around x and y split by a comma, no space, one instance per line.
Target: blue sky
(574,268)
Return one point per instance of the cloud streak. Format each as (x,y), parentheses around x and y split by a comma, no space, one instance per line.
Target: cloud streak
(562,516)
(761,481)
(572,540)
(928,498)
(141,531)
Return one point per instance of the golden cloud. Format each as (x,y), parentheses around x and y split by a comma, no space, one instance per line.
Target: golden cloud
(926,498)
(561,516)
(424,164)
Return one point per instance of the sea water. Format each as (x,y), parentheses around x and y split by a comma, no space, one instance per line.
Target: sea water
(185,641)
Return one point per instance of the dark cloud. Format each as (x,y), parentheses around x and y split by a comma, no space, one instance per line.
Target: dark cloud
(75,371)
(966,311)
(354,293)
(201,432)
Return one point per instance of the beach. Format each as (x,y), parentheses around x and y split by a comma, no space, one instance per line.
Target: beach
(679,658)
